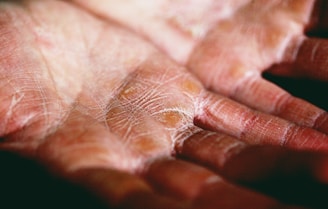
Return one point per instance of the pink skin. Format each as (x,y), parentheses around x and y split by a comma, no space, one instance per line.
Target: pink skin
(101,106)
(228,44)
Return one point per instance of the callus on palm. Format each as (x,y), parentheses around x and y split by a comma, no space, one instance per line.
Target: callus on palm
(131,107)
(236,41)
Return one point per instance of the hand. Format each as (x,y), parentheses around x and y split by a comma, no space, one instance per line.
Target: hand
(228,44)
(101,107)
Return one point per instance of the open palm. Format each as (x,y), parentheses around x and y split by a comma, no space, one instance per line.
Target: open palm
(100,106)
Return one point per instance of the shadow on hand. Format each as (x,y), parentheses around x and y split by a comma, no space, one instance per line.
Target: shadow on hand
(299,189)
(25,184)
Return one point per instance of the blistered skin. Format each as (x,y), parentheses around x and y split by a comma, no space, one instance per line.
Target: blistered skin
(101,106)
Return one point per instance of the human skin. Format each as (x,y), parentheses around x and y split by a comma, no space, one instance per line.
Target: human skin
(100,106)
(228,44)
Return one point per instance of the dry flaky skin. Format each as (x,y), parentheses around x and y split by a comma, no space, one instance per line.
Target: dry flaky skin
(228,44)
(101,106)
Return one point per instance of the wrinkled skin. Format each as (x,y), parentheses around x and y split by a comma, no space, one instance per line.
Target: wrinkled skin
(101,106)
(228,44)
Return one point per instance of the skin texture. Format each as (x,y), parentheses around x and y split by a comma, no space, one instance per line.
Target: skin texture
(228,44)
(102,107)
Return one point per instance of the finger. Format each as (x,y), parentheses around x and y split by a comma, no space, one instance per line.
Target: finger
(265,96)
(223,67)
(247,87)
(83,142)
(85,152)
(209,148)
(232,158)
(241,162)
(123,190)
(224,115)
(310,61)
(275,171)
(203,188)
(319,20)
(82,145)
(318,165)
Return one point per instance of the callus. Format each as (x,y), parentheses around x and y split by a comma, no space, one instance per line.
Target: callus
(131,108)
(235,43)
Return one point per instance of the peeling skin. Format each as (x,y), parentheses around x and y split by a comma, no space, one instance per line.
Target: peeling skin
(238,40)
(274,130)
(103,107)
(142,71)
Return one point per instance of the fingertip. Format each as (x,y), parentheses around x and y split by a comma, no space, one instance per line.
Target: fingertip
(320,170)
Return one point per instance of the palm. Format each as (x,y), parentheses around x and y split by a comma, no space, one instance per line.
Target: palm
(93,101)
(228,44)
